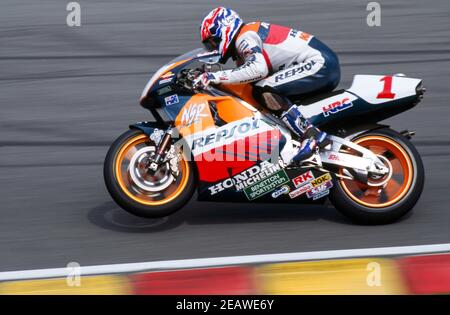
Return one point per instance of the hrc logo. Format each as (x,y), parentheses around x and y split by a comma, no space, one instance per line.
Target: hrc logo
(336,107)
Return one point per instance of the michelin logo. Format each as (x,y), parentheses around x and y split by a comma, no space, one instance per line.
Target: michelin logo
(247,178)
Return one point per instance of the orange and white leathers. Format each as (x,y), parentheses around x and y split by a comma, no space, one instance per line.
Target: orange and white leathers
(264,49)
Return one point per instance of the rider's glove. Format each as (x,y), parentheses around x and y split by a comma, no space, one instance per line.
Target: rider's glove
(203,80)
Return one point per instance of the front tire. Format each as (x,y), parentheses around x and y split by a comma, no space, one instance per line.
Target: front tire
(134,189)
(368,205)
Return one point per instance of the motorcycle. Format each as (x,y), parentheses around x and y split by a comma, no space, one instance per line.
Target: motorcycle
(220,142)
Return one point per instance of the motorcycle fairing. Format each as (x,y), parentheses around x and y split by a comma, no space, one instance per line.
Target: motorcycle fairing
(217,179)
(383,88)
(267,181)
(365,101)
(167,74)
(227,138)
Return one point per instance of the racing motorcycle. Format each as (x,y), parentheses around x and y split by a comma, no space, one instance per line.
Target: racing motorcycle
(220,142)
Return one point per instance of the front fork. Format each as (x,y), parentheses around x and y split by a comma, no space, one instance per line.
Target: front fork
(161,149)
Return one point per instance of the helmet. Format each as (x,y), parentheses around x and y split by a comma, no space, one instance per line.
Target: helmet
(219,28)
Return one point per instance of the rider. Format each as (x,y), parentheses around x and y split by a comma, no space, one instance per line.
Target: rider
(280,61)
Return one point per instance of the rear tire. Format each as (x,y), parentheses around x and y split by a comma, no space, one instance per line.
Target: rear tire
(132,197)
(361,206)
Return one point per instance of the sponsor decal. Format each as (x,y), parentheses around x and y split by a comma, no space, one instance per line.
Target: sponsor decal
(171,100)
(248,178)
(192,114)
(165,81)
(305,36)
(333,157)
(283,190)
(336,107)
(167,75)
(292,72)
(225,132)
(314,188)
(300,191)
(301,35)
(249,80)
(320,191)
(223,76)
(266,185)
(293,33)
(303,179)
(321,180)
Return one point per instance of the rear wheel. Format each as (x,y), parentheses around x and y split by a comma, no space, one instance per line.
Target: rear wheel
(385,198)
(140,191)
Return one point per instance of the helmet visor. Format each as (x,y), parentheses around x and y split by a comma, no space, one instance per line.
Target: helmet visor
(211,44)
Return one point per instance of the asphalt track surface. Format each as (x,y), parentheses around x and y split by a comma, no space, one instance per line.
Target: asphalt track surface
(66,93)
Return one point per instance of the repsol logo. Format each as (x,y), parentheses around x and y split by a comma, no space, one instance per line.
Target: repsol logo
(292,72)
(337,106)
(227,132)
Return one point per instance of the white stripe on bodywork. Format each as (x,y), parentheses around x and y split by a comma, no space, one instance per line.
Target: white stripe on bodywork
(263,127)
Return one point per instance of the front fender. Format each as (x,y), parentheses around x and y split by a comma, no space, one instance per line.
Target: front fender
(147,127)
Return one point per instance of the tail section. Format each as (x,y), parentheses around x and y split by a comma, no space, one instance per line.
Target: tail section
(371,98)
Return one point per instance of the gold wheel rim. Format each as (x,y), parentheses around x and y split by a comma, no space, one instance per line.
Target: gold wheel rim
(396,188)
(124,181)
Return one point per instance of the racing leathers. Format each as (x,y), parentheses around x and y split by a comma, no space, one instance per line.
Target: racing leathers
(284,63)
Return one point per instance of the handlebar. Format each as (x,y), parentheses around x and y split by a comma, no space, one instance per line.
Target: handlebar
(186,77)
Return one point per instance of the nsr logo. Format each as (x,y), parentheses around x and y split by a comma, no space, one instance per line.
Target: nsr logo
(193,114)
(337,106)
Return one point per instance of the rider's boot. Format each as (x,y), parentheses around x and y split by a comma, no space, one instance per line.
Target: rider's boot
(311,136)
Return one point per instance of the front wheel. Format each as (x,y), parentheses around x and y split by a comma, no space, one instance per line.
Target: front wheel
(384,199)
(140,191)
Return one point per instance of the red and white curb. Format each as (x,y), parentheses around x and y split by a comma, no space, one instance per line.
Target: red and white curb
(421,269)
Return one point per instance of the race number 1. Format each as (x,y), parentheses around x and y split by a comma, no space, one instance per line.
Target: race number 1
(387,89)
